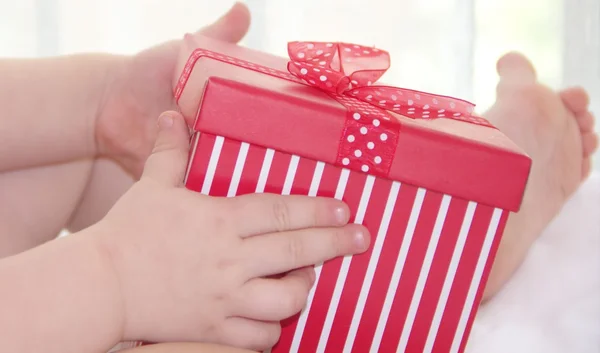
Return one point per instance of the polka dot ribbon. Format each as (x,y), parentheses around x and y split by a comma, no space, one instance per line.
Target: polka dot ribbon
(350,69)
(348,72)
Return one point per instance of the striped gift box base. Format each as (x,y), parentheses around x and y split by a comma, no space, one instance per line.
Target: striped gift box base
(417,288)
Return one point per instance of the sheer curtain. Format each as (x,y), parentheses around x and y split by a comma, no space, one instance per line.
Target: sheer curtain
(443,46)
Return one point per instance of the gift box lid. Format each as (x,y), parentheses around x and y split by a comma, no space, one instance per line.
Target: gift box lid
(251,96)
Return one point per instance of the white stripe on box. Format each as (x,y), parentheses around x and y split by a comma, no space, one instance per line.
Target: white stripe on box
(420,287)
(264,171)
(341,280)
(373,261)
(291,174)
(452,268)
(237,171)
(192,155)
(341,187)
(398,268)
(339,193)
(483,257)
(212,165)
(316,180)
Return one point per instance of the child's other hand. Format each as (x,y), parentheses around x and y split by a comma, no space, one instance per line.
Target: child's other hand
(195,268)
(140,88)
(185,348)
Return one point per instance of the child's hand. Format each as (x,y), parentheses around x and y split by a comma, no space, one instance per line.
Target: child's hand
(194,268)
(140,88)
(185,348)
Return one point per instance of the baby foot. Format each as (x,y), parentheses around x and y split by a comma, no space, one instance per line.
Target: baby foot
(556,131)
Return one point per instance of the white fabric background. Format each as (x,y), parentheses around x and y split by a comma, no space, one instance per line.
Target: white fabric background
(552,304)
(444,46)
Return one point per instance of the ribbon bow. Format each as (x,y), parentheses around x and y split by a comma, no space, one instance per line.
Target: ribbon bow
(351,70)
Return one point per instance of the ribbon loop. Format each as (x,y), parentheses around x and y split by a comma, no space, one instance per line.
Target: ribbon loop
(351,70)
(336,67)
(363,65)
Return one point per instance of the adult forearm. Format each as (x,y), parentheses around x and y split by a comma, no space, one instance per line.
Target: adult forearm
(60,297)
(49,107)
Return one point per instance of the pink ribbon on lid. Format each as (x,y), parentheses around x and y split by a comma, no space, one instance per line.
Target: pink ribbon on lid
(352,70)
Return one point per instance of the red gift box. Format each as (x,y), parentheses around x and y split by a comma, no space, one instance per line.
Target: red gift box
(433,183)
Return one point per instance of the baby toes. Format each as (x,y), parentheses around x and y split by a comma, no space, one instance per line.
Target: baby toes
(586,122)
(515,68)
(575,99)
(589,143)
(586,168)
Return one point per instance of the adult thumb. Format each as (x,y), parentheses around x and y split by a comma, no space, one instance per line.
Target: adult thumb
(168,161)
(231,27)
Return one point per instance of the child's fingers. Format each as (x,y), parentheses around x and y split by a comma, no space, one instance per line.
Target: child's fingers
(267,213)
(185,347)
(231,27)
(250,334)
(275,299)
(275,253)
(168,160)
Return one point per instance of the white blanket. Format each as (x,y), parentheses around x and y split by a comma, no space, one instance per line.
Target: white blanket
(552,304)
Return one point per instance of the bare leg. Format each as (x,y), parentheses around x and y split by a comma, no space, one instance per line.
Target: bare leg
(556,130)
(37,203)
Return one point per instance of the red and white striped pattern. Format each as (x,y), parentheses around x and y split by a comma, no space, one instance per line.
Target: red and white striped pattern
(416,289)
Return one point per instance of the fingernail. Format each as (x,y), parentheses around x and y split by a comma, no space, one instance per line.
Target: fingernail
(313,276)
(341,215)
(360,239)
(165,121)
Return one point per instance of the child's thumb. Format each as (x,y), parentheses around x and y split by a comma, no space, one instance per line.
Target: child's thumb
(168,160)
(232,26)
